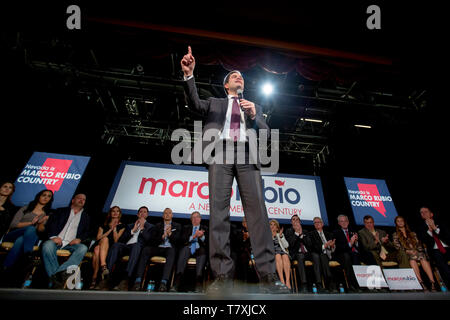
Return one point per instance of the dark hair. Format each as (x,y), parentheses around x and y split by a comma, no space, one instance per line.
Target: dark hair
(8,199)
(143,207)
(368,217)
(33,203)
(109,215)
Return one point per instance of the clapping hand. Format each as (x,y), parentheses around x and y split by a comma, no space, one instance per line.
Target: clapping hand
(431,225)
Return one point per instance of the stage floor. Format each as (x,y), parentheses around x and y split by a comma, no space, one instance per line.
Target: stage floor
(42,294)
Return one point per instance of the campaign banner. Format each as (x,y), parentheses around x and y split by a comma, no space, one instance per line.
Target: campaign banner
(185,189)
(370,276)
(59,173)
(402,279)
(371,197)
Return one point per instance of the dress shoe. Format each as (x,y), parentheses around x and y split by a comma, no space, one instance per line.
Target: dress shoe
(162,287)
(136,286)
(270,284)
(222,284)
(122,286)
(303,288)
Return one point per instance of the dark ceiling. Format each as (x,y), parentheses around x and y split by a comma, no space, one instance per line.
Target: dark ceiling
(116,83)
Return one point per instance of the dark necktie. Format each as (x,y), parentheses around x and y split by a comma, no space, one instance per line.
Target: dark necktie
(438,243)
(235,122)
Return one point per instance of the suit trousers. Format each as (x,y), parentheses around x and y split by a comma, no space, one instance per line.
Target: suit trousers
(119,250)
(248,177)
(347,260)
(321,267)
(441,261)
(148,252)
(185,254)
(301,257)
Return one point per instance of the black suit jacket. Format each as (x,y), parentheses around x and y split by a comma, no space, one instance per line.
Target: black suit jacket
(58,220)
(187,232)
(341,240)
(295,241)
(144,236)
(316,242)
(215,109)
(157,232)
(444,235)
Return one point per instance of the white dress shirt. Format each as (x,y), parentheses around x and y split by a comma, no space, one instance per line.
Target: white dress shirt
(225,133)
(69,232)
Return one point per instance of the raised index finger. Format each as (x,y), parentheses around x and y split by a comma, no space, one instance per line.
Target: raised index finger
(189,50)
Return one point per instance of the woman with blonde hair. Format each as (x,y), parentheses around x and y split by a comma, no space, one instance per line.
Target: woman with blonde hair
(405,239)
(282,259)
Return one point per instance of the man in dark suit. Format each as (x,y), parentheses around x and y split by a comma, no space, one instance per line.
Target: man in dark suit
(299,249)
(68,229)
(164,239)
(135,236)
(232,121)
(194,244)
(347,250)
(436,237)
(322,247)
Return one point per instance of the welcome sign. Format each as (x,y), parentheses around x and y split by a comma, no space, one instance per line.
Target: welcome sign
(59,173)
(185,189)
(371,197)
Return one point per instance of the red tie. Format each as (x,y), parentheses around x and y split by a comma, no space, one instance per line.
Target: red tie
(438,243)
(235,122)
(348,239)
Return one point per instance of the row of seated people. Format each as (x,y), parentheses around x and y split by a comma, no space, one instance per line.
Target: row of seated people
(370,246)
(68,228)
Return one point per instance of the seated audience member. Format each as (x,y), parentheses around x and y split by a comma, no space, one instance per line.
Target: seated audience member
(322,247)
(406,240)
(135,236)
(282,259)
(25,226)
(436,236)
(347,250)
(7,208)
(163,242)
(241,250)
(193,244)
(67,228)
(299,249)
(107,234)
(376,241)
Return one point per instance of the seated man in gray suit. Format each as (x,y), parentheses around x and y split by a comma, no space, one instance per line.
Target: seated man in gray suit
(137,234)
(376,242)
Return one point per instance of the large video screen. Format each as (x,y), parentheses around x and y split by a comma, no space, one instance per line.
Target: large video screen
(184,189)
(371,197)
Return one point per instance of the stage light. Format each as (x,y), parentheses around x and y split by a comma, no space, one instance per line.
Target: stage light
(267,89)
(363,126)
(311,120)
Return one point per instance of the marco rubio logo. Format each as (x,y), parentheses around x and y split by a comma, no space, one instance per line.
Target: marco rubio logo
(371,197)
(59,173)
(402,279)
(185,189)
